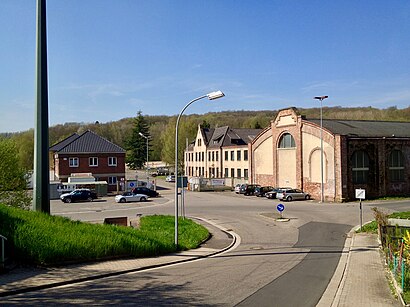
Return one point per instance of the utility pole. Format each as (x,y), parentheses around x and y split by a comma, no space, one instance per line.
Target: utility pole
(41,200)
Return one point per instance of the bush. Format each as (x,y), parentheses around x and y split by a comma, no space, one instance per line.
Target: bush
(13,181)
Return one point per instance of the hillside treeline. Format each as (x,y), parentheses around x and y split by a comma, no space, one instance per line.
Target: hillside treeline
(162,128)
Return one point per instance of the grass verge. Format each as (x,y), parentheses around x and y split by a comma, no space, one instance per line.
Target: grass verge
(42,239)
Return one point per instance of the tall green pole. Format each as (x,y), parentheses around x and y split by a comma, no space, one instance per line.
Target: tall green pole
(41,201)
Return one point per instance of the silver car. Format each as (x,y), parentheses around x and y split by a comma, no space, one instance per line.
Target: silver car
(291,194)
(128,196)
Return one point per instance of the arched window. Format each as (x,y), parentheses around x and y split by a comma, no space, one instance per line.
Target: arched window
(360,167)
(287,141)
(396,166)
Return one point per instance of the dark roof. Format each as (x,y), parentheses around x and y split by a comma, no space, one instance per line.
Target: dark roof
(89,142)
(365,128)
(58,146)
(225,136)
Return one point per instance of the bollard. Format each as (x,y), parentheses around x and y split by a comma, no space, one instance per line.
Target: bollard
(403,263)
(2,251)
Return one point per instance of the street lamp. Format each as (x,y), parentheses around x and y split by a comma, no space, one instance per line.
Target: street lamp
(145,137)
(210,96)
(321,98)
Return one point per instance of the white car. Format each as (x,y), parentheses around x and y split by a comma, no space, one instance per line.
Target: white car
(128,196)
(170,178)
(238,188)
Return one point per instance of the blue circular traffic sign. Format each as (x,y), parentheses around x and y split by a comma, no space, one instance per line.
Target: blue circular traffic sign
(132,184)
(280,207)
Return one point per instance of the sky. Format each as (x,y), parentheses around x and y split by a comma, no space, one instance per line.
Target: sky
(109,59)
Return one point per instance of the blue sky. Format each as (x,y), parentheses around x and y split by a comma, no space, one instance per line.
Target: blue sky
(108,59)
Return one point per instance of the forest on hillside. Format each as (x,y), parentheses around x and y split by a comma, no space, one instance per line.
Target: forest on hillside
(162,128)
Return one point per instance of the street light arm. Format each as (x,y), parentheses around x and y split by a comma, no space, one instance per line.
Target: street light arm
(210,96)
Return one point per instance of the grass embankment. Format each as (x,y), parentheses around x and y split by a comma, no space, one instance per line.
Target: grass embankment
(372,226)
(42,239)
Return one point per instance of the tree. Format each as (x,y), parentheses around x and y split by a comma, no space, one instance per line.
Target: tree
(186,131)
(136,145)
(24,142)
(13,179)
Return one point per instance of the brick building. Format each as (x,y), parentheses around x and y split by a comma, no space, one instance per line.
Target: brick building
(89,153)
(371,155)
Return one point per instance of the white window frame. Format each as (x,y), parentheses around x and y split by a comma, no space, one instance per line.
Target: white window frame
(73,162)
(91,161)
(112,161)
(112,180)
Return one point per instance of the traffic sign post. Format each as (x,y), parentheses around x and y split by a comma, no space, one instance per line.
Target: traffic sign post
(280,208)
(361,194)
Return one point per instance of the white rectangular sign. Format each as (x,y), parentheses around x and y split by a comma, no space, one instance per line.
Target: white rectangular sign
(360,194)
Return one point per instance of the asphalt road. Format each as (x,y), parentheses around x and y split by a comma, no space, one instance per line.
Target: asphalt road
(276,264)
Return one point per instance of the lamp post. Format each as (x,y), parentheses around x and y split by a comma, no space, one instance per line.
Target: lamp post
(41,191)
(210,96)
(321,98)
(145,137)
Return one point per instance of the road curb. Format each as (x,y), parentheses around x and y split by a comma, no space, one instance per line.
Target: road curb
(234,243)
(331,296)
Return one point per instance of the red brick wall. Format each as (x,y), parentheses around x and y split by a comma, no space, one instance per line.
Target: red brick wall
(64,170)
(379,183)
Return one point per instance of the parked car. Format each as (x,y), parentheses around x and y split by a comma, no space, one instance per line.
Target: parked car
(128,196)
(238,188)
(170,178)
(242,188)
(145,191)
(78,195)
(272,194)
(261,191)
(292,194)
(249,189)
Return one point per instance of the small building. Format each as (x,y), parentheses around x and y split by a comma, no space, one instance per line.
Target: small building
(219,153)
(89,153)
(371,155)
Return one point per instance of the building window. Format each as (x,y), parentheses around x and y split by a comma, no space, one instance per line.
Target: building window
(287,141)
(199,142)
(245,173)
(226,172)
(112,180)
(217,172)
(245,155)
(112,161)
(238,155)
(217,156)
(360,167)
(93,161)
(209,156)
(232,172)
(226,155)
(213,156)
(396,166)
(196,156)
(238,173)
(73,162)
(203,170)
(232,155)
(203,156)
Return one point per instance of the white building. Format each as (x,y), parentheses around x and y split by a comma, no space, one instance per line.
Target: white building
(219,153)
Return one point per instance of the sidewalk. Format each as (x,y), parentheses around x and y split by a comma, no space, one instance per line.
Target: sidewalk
(30,279)
(360,278)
